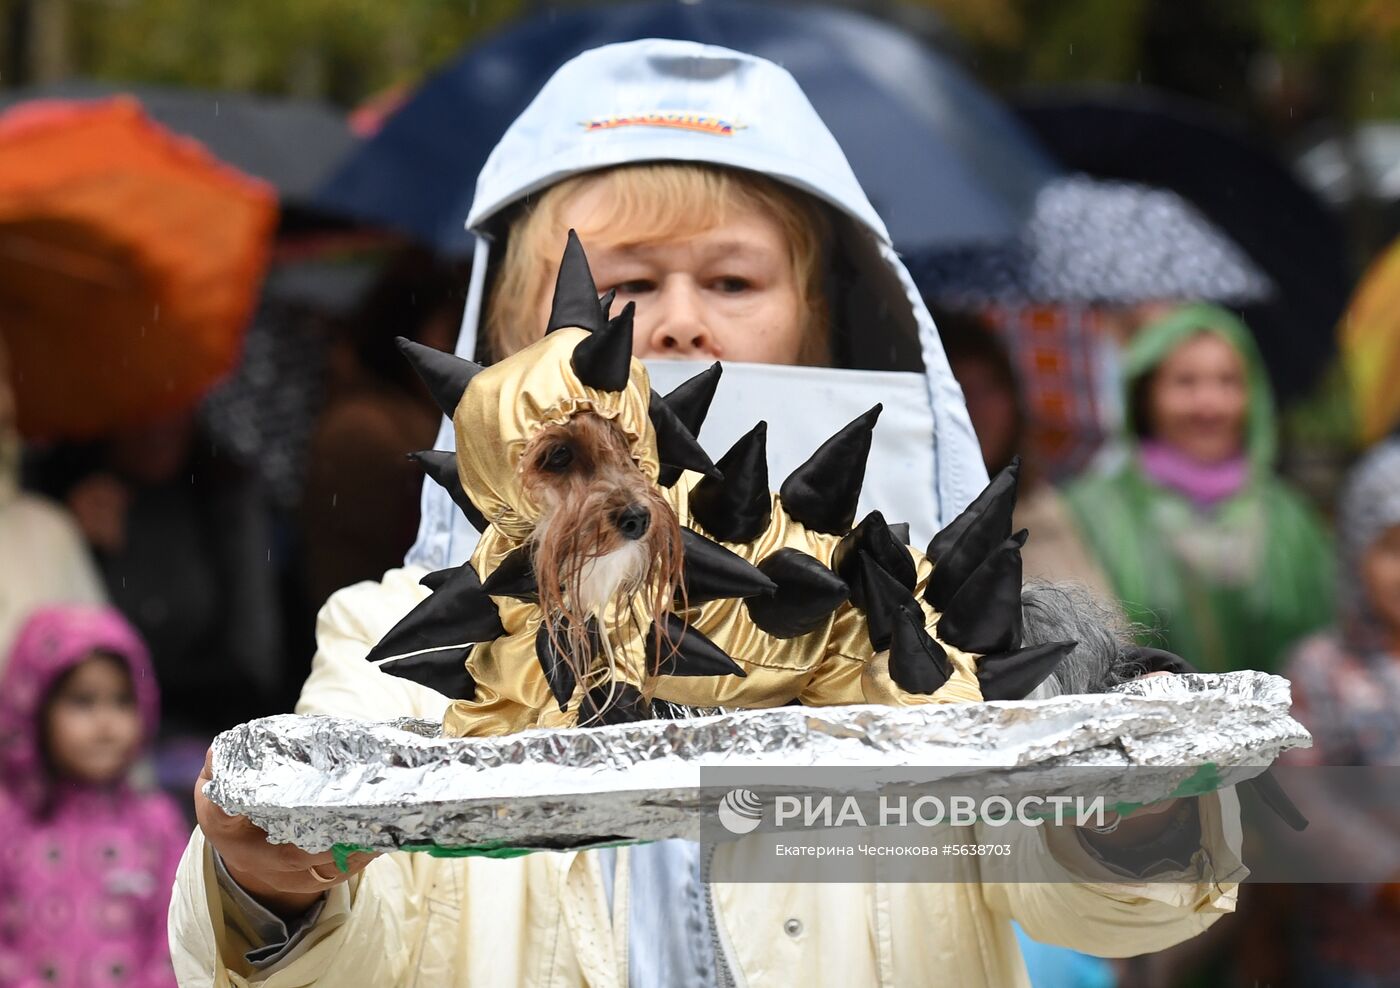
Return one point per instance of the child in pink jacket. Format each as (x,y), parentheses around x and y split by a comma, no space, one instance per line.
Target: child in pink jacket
(86,860)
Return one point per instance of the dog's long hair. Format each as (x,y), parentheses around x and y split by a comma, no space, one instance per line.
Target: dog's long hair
(582,478)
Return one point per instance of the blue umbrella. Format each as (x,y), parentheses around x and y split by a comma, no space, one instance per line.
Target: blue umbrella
(940,159)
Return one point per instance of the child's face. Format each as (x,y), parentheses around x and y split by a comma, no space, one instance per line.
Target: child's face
(1380,575)
(728,293)
(92,726)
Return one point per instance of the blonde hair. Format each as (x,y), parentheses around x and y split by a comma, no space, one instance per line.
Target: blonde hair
(662,201)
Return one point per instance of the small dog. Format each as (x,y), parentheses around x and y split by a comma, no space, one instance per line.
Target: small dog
(614,542)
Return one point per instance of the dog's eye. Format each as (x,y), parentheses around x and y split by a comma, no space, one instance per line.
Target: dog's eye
(557,460)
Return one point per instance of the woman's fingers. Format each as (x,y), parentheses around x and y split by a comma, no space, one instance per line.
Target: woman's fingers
(258,864)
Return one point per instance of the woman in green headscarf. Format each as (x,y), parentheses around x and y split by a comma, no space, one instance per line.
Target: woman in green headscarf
(1204,544)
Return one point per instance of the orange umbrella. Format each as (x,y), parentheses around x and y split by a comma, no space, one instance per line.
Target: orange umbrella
(1370,342)
(130,262)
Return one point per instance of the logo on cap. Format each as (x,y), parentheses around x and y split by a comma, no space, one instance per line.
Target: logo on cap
(705,123)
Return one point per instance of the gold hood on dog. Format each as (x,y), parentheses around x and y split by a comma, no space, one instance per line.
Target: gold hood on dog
(509,403)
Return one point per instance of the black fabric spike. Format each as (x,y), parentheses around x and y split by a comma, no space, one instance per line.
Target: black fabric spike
(515,577)
(985,614)
(435,579)
(980,529)
(998,497)
(712,572)
(738,507)
(441,468)
(575,295)
(807,594)
(676,447)
(1267,788)
(459,612)
(605,303)
(613,703)
(873,537)
(918,664)
(900,530)
(686,652)
(691,399)
(445,375)
(604,360)
(558,673)
(1012,675)
(444,670)
(822,493)
(885,598)
(991,509)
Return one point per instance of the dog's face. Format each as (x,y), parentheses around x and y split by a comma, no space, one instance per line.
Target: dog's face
(606,536)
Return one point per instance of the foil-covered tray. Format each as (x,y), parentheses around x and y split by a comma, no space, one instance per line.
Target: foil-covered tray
(322,782)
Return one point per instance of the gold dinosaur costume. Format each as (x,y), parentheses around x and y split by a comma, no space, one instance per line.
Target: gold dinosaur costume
(786,601)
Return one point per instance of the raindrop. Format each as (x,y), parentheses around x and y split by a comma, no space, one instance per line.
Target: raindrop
(334,497)
(216,108)
(1071,48)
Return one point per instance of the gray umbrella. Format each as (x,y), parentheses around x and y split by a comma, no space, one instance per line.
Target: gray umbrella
(293,144)
(1096,241)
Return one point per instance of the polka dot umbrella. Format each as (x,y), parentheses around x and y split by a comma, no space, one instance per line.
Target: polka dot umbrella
(1093,241)
(130,262)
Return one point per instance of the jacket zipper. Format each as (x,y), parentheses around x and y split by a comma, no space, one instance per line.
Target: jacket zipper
(723,977)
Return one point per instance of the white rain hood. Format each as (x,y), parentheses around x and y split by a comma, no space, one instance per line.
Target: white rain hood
(683,101)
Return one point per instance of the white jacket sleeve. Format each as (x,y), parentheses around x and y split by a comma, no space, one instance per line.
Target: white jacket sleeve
(342,683)
(1061,894)
(362,935)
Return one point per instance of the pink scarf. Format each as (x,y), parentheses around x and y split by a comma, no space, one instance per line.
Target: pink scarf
(1205,484)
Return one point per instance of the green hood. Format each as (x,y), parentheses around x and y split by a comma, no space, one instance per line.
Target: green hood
(1226,588)
(1154,342)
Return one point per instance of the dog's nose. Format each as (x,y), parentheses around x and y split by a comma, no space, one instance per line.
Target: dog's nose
(632,521)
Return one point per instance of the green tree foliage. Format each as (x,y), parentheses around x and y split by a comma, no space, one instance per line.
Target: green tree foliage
(343,50)
(1296,59)
(1309,57)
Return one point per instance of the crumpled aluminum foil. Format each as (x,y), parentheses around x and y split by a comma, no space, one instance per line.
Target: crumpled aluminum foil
(318,781)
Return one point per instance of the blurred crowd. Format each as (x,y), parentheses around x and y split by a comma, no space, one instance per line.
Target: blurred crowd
(159,581)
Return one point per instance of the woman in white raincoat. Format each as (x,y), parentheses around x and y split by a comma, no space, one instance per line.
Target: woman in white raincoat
(642,916)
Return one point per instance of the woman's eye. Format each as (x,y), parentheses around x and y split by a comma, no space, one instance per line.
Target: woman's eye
(732,286)
(557,460)
(638,286)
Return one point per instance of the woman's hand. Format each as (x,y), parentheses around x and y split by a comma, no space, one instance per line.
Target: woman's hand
(1146,824)
(277,875)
